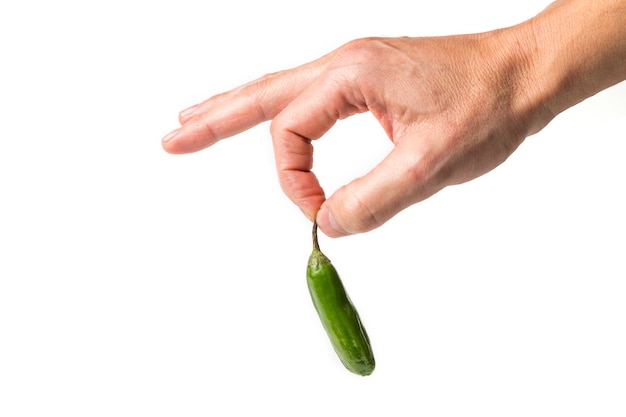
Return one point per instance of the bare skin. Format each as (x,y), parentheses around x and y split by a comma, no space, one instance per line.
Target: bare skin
(454,107)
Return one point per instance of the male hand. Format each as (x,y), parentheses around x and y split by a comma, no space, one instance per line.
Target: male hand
(454,107)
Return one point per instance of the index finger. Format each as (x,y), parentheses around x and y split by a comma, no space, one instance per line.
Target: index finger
(305,119)
(233,112)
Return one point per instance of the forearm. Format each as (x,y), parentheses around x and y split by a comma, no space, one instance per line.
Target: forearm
(580,50)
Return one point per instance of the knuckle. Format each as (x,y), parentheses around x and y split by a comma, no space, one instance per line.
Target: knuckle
(361,50)
(276,127)
(424,171)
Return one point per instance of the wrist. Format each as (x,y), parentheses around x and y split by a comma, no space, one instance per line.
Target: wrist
(572,50)
(514,55)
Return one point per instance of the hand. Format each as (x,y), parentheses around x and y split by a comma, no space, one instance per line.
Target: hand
(454,108)
(449,108)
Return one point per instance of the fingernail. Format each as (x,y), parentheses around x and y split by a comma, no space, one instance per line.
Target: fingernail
(326,222)
(170,135)
(189,111)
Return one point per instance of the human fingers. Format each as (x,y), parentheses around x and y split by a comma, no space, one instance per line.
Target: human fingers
(233,112)
(305,119)
(410,173)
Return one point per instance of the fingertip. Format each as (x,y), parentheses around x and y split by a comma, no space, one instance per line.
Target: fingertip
(326,222)
(168,140)
(178,142)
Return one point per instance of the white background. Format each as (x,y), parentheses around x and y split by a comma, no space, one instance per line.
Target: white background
(138,283)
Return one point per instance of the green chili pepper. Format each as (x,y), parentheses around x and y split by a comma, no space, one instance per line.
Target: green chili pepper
(337,313)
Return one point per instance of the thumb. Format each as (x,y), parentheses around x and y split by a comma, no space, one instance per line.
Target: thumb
(406,176)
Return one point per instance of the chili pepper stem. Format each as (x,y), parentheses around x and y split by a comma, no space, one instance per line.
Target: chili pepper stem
(316,245)
(317,257)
